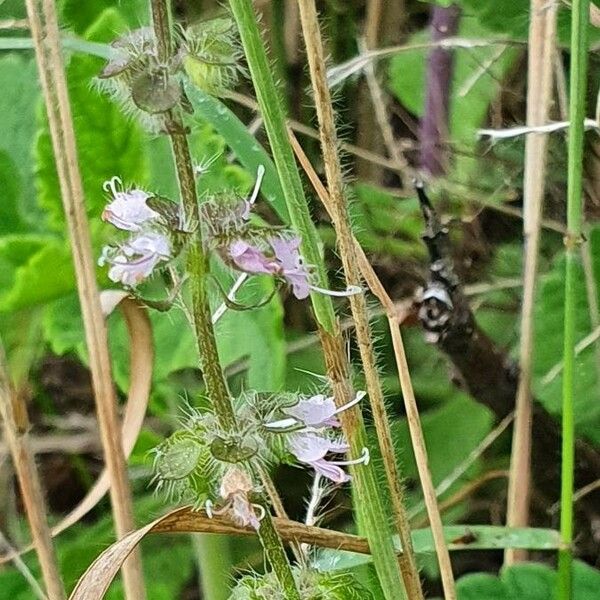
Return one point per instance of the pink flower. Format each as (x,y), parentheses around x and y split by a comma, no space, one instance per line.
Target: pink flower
(236,485)
(128,209)
(250,259)
(291,266)
(320,410)
(310,447)
(135,260)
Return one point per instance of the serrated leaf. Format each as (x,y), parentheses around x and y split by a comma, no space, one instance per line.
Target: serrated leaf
(108,143)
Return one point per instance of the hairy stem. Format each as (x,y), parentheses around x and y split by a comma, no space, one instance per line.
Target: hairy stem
(358,304)
(214,379)
(579,57)
(369,494)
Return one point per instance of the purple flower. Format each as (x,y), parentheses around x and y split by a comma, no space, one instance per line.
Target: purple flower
(315,411)
(250,259)
(291,266)
(310,447)
(135,260)
(128,209)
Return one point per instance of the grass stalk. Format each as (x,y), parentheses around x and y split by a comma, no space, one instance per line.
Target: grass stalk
(46,37)
(368,488)
(542,34)
(198,265)
(16,427)
(415,428)
(358,304)
(577,95)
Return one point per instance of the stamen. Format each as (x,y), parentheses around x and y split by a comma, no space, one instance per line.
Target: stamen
(230,296)
(359,396)
(283,423)
(351,290)
(364,459)
(259,177)
(261,510)
(110,186)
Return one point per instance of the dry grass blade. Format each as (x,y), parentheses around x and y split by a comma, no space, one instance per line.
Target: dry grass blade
(542,33)
(140,369)
(45,33)
(16,427)
(95,581)
(416,431)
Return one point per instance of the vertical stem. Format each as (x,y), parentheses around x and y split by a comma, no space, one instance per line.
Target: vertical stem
(358,304)
(368,488)
(542,31)
(579,46)
(45,33)
(214,379)
(214,558)
(440,62)
(16,426)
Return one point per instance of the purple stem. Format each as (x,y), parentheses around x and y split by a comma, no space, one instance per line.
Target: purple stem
(440,62)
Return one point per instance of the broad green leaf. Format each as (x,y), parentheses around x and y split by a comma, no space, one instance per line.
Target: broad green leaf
(79,16)
(108,143)
(527,581)
(248,151)
(471,422)
(34,269)
(549,317)
(10,196)
(17,130)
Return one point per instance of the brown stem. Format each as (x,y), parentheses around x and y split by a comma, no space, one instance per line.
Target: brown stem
(46,37)
(16,427)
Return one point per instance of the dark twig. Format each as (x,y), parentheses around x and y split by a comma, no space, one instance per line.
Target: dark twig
(486,370)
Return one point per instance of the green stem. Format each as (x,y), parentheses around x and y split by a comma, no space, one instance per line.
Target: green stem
(213,554)
(369,495)
(270,102)
(579,57)
(216,385)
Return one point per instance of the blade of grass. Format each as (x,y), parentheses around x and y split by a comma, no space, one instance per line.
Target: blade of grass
(45,33)
(368,488)
(577,96)
(542,33)
(358,303)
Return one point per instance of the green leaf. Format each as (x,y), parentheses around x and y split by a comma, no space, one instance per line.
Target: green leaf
(549,318)
(248,151)
(17,129)
(79,16)
(459,538)
(34,269)
(108,143)
(10,196)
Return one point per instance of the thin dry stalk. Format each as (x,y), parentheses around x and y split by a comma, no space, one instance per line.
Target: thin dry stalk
(16,427)
(542,33)
(45,33)
(358,304)
(22,567)
(416,431)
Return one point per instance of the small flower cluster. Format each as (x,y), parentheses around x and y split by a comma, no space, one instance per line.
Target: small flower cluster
(149,245)
(310,436)
(312,585)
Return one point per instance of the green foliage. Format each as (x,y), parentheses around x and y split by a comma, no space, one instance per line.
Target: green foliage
(549,318)
(527,582)
(108,143)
